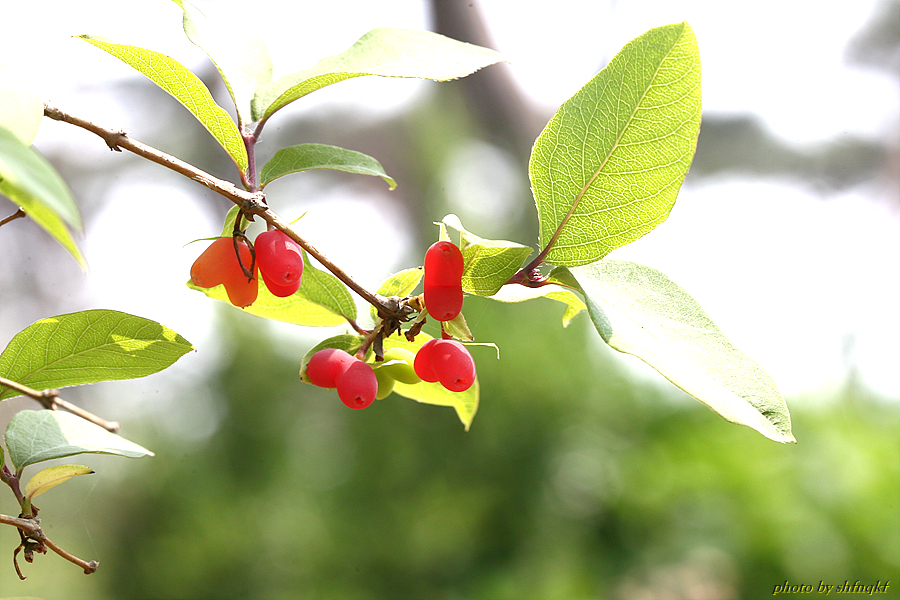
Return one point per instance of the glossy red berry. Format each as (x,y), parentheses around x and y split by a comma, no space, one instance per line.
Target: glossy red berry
(447,362)
(357,385)
(280,261)
(443,280)
(218,265)
(326,365)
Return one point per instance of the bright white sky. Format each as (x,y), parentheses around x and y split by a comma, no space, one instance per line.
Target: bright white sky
(794,279)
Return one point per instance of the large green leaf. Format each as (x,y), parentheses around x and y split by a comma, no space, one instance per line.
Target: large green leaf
(33,436)
(184,86)
(21,107)
(321,301)
(386,52)
(87,347)
(489,263)
(305,157)
(640,311)
(28,180)
(607,168)
(242,60)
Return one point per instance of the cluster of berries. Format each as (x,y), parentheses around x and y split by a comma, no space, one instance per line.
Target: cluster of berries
(438,360)
(278,258)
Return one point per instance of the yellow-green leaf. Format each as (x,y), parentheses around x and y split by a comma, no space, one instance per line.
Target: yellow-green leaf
(50,477)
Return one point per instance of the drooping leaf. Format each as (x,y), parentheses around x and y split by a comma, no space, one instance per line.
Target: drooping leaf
(305,157)
(640,311)
(184,86)
(489,263)
(607,168)
(321,301)
(87,347)
(399,284)
(21,107)
(29,181)
(385,52)
(50,477)
(242,60)
(520,293)
(33,436)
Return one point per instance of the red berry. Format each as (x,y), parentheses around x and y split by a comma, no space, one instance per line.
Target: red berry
(423,364)
(357,385)
(326,365)
(443,281)
(453,366)
(280,261)
(218,265)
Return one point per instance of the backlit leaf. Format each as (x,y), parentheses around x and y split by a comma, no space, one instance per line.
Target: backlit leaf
(33,436)
(21,107)
(184,86)
(29,181)
(50,477)
(607,168)
(385,52)
(640,311)
(87,347)
(305,157)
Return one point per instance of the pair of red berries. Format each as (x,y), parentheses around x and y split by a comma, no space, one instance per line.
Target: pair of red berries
(358,385)
(278,258)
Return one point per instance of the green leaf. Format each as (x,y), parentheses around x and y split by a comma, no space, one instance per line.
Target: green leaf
(21,107)
(464,403)
(321,301)
(242,61)
(305,157)
(489,263)
(50,477)
(87,347)
(184,86)
(607,168)
(640,311)
(385,52)
(29,181)
(399,284)
(520,293)
(33,436)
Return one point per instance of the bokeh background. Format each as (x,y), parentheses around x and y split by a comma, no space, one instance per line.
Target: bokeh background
(585,474)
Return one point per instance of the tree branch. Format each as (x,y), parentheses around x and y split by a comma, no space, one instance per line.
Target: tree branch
(250,202)
(16,215)
(50,400)
(31,528)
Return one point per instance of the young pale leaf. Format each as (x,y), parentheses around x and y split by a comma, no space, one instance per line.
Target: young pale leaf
(607,168)
(321,301)
(520,293)
(640,311)
(28,180)
(399,284)
(21,107)
(385,52)
(489,263)
(87,347)
(33,436)
(242,61)
(50,477)
(184,86)
(464,403)
(305,157)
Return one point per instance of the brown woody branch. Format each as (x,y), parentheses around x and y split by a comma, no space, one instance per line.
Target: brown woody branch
(31,530)
(253,203)
(50,400)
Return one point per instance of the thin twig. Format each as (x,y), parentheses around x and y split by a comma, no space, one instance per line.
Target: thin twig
(32,530)
(250,202)
(16,215)
(50,400)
